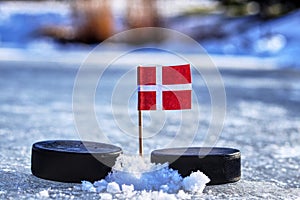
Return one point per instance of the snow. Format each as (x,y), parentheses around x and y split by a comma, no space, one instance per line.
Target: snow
(87,186)
(143,174)
(136,177)
(195,184)
(43,194)
(183,195)
(105,196)
(113,188)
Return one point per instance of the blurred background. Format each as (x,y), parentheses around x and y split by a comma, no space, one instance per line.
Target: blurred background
(261,29)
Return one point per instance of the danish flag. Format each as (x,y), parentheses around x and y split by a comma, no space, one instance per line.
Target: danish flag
(165,88)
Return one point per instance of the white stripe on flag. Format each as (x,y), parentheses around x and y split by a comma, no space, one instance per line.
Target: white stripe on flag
(160,88)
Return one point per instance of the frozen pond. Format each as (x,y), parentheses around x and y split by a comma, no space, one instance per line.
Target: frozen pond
(262,121)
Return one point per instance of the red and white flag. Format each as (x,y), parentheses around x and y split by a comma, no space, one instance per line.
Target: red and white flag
(166,87)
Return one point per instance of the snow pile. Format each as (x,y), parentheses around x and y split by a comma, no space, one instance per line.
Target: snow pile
(136,177)
(195,182)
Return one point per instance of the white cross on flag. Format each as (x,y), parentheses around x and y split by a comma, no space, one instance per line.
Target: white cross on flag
(166,87)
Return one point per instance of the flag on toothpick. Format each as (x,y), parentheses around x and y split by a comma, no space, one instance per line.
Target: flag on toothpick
(166,88)
(163,88)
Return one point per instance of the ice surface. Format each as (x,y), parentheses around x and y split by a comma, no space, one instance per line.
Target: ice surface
(135,174)
(262,120)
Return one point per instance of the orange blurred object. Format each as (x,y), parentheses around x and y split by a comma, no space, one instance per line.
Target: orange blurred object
(93,20)
(142,13)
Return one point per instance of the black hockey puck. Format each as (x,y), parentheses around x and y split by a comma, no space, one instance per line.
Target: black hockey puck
(221,165)
(72,161)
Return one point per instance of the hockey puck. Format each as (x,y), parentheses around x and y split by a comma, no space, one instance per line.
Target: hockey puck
(221,165)
(72,161)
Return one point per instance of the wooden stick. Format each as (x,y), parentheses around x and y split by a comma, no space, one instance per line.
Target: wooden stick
(140,133)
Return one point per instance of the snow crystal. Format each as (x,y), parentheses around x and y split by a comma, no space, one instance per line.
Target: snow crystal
(136,177)
(164,188)
(128,192)
(182,195)
(106,196)
(113,187)
(196,182)
(43,193)
(163,196)
(100,185)
(88,186)
(144,175)
(127,188)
